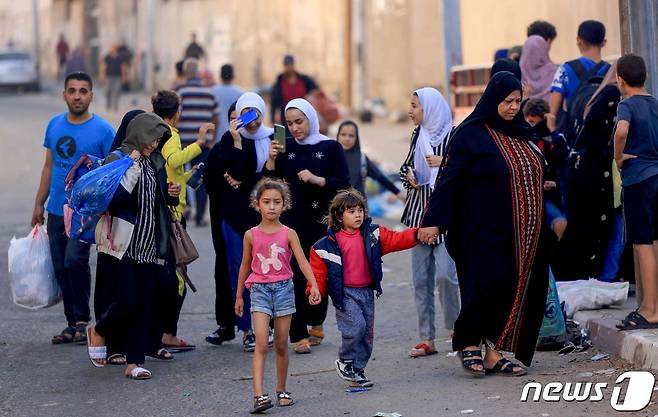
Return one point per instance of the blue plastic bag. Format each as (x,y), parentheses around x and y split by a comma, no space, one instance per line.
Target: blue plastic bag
(93,192)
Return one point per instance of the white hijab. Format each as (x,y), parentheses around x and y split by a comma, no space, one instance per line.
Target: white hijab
(261,137)
(314,135)
(436,124)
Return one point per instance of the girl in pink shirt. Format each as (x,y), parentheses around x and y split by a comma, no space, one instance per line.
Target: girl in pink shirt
(265,269)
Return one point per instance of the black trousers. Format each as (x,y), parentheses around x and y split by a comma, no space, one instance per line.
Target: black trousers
(169,301)
(105,293)
(131,312)
(224,304)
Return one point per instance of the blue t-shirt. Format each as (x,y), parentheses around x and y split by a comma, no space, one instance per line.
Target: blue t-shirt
(67,143)
(566,80)
(641,112)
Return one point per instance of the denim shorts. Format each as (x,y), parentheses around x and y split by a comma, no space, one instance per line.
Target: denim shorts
(276,299)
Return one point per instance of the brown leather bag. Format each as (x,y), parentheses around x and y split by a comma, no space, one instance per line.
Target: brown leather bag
(181,243)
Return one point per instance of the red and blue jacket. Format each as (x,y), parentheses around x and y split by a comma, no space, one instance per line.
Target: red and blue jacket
(327,263)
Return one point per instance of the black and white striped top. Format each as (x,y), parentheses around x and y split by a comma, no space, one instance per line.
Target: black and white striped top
(417,198)
(142,243)
(198,106)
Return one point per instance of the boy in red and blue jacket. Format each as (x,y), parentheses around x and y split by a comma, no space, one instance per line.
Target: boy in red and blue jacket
(347,264)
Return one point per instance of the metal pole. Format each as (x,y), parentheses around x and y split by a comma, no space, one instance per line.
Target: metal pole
(452,40)
(149,10)
(357,46)
(37,43)
(638,20)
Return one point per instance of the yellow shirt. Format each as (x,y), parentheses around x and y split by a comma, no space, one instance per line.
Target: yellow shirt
(176,158)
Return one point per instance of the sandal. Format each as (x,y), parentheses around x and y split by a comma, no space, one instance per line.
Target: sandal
(284,396)
(471,358)
(635,321)
(315,335)
(506,367)
(182,346)
(97,354)
(80,336)
(116,359)
(139,374)
(66,336)
(302,347)
(261,403)
(162,354)
(422,349)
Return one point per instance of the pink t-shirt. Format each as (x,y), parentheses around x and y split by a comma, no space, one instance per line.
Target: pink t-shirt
(270,257)
(356,271)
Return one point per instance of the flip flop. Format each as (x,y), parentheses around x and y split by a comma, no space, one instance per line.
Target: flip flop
(139,374)
(505,367)
(162,354)
(116,359)
(95,353)
(66,336)
(635,321)
(422,349)
(183,346)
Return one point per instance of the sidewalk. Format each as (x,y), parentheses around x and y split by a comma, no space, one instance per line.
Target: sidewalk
(639,347)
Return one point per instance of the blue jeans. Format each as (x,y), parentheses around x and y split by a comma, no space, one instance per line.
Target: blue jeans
(200,194)
(356,323)
(233,244)
(71,264)
(615,248)
(553,213)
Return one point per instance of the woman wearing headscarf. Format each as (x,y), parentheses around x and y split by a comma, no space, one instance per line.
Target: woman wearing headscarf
(489,200)
(105,287)
(214,181)
(358,164)
(430,264)
(506,64)
(314,167)
(537,69)
(237,167)
(136,234)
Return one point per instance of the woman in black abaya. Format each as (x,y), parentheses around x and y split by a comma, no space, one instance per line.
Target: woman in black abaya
(489,199)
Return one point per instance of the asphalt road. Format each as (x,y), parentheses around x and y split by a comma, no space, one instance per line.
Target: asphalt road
(40,379)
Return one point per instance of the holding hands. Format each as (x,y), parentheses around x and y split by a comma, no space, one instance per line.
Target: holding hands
(428,235)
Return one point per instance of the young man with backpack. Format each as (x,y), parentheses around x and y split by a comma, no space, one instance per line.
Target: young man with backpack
(575,81)
(68,136)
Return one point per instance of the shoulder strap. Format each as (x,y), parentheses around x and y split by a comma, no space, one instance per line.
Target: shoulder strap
(578,68)
(595,70)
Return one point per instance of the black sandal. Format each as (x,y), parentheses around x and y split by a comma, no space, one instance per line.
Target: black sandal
(284,395)
(261,403)
(506,367)
(66,336)
(80,336)
(162,354)
(116,359)
(635,321)
(471,358)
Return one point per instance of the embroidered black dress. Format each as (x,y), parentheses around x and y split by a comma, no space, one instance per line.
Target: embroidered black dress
(489,199)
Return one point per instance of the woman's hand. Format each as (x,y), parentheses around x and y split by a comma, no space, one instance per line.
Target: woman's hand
(233,127)
(428,235)
(173,189)
(232,181)
(314,298)
(549,185)
(411,178)
(239,306)
(433,161)
(135,155)
(308,177)
(275,148)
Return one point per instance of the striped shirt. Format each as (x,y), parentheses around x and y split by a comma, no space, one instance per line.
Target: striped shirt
(417,198)
(198,106)
(142,243)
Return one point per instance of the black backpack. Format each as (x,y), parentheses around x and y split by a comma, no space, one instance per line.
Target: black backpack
(589,83)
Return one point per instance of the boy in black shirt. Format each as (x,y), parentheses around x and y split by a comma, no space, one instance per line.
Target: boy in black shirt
(636,154)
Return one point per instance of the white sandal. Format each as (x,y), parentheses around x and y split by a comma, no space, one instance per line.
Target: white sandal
(95,353)
(139,373)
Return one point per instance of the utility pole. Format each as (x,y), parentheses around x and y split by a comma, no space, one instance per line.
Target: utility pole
(638,20)
(452,39)
(149,20)
(37,43)
(357,41)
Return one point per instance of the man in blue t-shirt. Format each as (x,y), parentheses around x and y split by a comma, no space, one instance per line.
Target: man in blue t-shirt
(590,41)
(68,136)
(636,154)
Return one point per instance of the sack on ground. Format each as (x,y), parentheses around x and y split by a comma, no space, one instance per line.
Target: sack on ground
(553,331)
(31,273)
(591,294)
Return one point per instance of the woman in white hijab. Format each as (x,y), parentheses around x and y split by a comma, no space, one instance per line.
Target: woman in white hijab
(430,263)
(240,157)
(314,166)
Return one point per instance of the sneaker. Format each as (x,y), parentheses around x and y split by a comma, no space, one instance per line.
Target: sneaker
(345,370)
(219,336)
(249,342)
(362,380)
(270,338)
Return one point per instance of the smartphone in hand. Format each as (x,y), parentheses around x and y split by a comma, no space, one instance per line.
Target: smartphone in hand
(196,179)
(247,117)
(280,137)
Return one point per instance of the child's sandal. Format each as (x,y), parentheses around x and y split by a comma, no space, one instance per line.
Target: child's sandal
(284,396)
(261,403)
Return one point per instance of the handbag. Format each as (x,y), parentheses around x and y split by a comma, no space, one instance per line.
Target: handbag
(184,250)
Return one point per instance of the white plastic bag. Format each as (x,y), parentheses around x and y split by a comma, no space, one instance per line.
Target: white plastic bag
(591,294)
(31,273)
